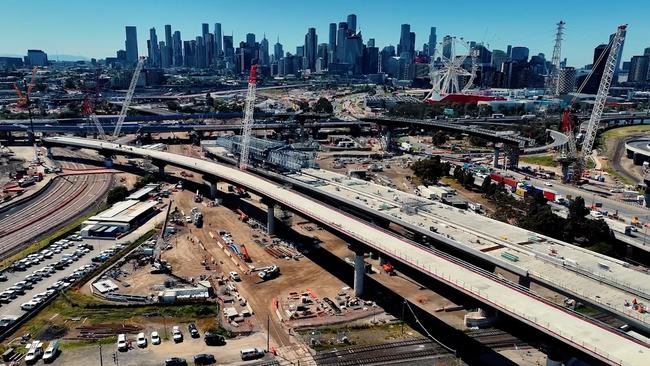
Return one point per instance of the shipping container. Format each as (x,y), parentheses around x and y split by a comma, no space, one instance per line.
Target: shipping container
(521,192)
(549,195)
(496,178)
(511,182)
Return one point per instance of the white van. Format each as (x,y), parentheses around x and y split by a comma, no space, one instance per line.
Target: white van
(121,342)
(51,352)
(34,353)
(251,353)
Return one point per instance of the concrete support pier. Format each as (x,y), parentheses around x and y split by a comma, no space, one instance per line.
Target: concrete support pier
(270,218)
(497,153)
(359,271)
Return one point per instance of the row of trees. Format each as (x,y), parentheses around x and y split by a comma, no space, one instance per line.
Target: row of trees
(532,213)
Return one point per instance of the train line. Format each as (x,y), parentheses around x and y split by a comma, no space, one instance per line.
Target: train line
(66,198)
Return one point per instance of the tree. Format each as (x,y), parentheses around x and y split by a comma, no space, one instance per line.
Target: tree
(173,105)
(69,83)
(116,194)
(144,180)
(468,179)
(439,138)
(209,101)
(577,210)
(303,105)
(487,182)
(323,105)
(429,170)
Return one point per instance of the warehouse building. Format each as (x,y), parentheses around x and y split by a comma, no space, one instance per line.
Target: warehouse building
(121,218)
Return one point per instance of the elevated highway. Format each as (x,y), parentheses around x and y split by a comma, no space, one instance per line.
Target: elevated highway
(588,336)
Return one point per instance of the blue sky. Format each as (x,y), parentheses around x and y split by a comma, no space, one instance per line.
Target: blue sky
(95,28)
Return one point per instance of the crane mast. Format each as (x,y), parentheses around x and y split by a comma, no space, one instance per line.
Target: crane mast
(601,98)
(553,82)
(128,97)
(247,124)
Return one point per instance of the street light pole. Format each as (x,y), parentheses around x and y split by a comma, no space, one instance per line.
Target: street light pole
(101,358)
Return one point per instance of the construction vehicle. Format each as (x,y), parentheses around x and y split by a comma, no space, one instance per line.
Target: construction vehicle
(389,269)
(574,163)
(244,254)
(269,273)
(242,216)
(198,197)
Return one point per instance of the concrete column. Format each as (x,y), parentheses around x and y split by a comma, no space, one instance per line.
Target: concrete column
(524,281)
(359,272)
(108,162)
(382,259)
(496,157)
(646,180)
(48,152)
(389,139)
(270,218)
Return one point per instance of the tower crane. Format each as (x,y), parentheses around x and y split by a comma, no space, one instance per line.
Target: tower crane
(572,158)
(128,97)
(24,101)
(88,110)
(247,124)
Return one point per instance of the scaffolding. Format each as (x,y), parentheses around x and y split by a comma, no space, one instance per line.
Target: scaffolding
(275,153)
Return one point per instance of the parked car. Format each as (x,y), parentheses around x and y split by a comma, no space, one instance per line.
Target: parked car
(121,343)
(214,339)
(175,361)
(176,334)
(142,340)
(194,332)
(204,359)
(155,338)
(235,276)
(51,352)
(251,353)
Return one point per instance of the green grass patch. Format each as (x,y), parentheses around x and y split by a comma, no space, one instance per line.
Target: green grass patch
(61,233)
(544,160)
(621,178)
(69,345)
(625,131)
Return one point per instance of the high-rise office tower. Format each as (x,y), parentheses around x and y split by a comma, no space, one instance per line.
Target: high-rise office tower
(371,42)
(446,46)
(509,51)
(498,57)
(228,48)
(165,60)
(352,23)
(264,52)
(278,52)
(519,53)
(188,59)
(177,49)
(209,49)
(341,34)
(405,42)
(354,52)
(412,44)
(205,29)
(218,40)
(154,52)
(638,69)
(323,55)
(311,45)
(199,60)
(169,43)
(432,41)
(332,39)
(131,44)
(250,40)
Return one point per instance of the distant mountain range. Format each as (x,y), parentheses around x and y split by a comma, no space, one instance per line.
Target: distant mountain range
(53,57)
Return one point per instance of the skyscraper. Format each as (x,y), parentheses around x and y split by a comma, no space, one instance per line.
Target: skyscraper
(597,70)
(638,69)
(154,51)
(341,34)
(519,53)
(264,52)
(131,44)
(352,23)
(332,39)
(404,48)
(177,50)
(205,29)
(311,44)
(371,42)
(446,46)
(228,48)
(199,57)
(168,44)
(218,40)
(432,41)
(278,52)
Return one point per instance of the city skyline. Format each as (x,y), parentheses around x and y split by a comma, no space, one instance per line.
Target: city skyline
(494,28)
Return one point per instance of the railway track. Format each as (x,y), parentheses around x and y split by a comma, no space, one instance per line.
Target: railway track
(63,200)
(412,349)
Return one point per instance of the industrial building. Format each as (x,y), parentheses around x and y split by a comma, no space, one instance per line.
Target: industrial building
(143,193)
(121,218)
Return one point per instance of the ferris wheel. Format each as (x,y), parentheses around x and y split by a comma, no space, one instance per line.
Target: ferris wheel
(450,74)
